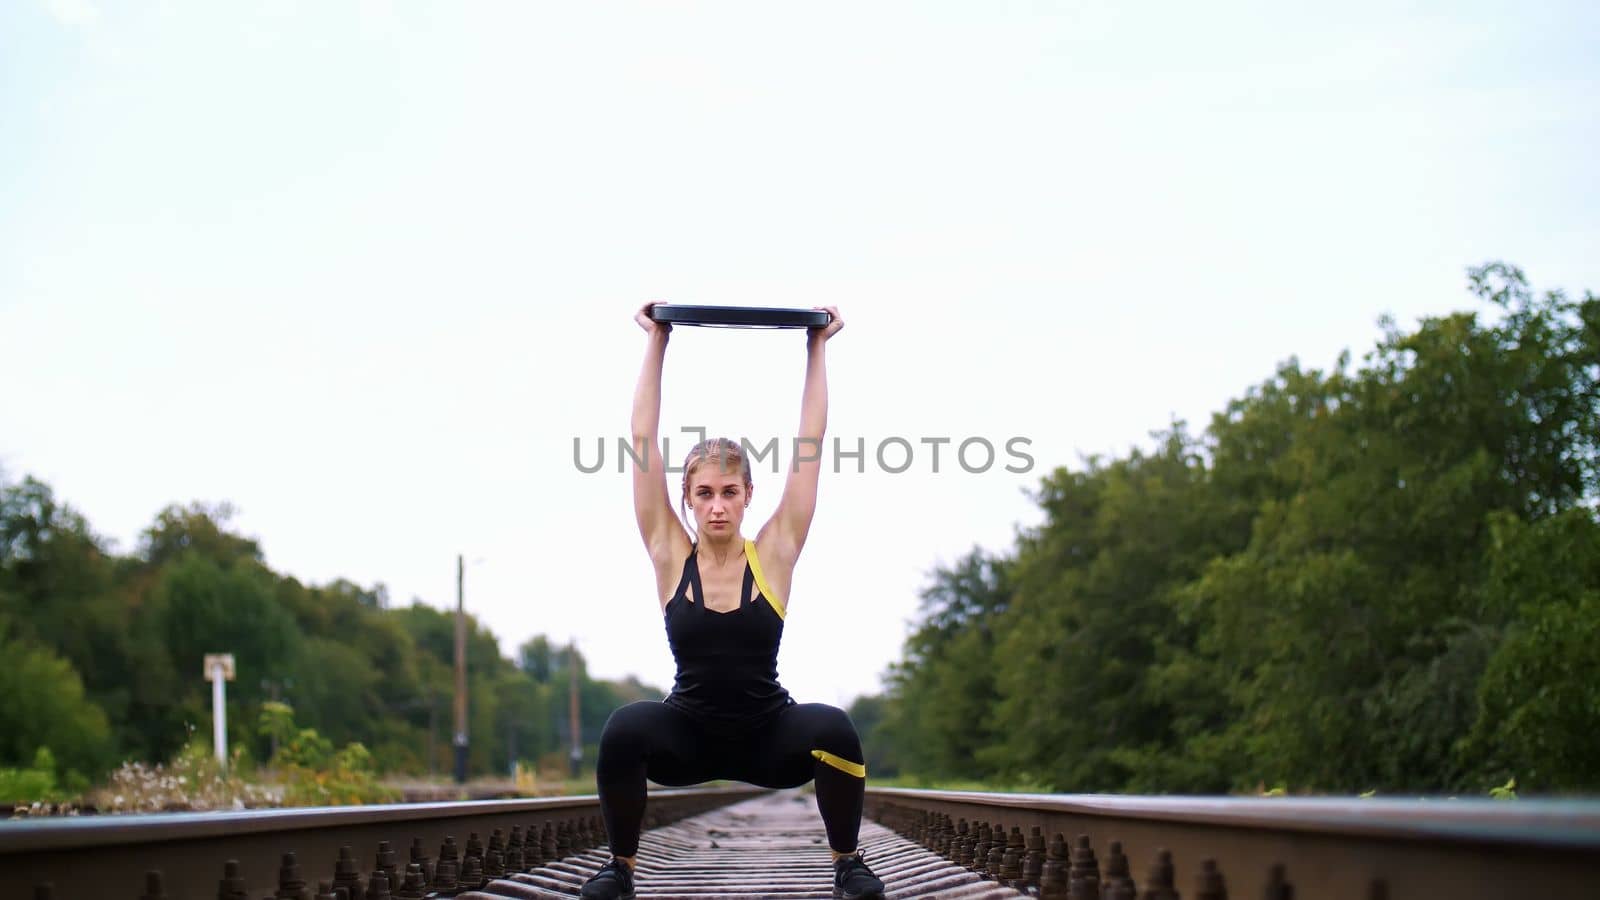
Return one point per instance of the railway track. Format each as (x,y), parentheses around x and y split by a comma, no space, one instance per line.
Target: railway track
(1210,848)
(286,854)
(756,844)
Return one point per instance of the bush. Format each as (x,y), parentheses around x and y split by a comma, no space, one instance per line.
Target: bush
(34,784)
(193,780)
(311,772)
(42,704)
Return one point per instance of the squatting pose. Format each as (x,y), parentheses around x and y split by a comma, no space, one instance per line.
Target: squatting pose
(724,598)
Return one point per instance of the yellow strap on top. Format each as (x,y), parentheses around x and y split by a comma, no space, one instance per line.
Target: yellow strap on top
(761,581)
(844,765)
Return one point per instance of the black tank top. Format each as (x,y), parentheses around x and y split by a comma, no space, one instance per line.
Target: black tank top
(727,661)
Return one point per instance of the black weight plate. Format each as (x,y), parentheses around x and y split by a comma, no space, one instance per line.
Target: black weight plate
(738,316)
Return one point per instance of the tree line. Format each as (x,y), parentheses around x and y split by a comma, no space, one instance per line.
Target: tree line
(1382,576)
(102,654)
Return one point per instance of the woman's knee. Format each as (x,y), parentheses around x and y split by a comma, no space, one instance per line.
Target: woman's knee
(630,726)
(832,730)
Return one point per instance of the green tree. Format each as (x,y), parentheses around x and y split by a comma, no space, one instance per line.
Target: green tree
(867,713)
(1344,584)
(43,707)
(200,529)
(198,607)
(944,687)
(1352,624)
(537,658)
(1092,615)
(1539,698)
(58,587)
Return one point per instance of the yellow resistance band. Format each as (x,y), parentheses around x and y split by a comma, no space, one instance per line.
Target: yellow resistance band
(842,764)
(761,580)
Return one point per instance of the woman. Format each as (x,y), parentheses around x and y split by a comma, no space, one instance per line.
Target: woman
(724,598)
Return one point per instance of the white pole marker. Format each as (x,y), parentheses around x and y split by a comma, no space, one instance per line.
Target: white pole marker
(219,668)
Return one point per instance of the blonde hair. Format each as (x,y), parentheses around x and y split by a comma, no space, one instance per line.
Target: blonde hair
(727,453)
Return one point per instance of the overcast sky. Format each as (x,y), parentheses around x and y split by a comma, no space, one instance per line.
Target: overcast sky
(366,270)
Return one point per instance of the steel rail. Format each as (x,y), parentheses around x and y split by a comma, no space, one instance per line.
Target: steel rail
(1307,849)
(1073,847)
(110,856)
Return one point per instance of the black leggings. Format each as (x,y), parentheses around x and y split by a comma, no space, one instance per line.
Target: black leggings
(652,740)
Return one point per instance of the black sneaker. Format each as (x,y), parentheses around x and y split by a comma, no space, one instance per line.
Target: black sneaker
(852,880)
(614,881)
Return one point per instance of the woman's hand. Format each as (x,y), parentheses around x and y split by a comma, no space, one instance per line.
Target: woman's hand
(823,332)
(651,326)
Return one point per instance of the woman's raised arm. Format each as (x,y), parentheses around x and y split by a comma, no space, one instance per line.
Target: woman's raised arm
(658,524)
(786,531)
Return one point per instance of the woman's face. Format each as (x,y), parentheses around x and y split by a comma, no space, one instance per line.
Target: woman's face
(718,499)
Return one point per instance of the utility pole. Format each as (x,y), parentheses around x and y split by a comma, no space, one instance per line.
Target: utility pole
(433,726)
(572,705)
(461,674)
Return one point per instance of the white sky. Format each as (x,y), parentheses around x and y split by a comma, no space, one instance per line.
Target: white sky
(365,270)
